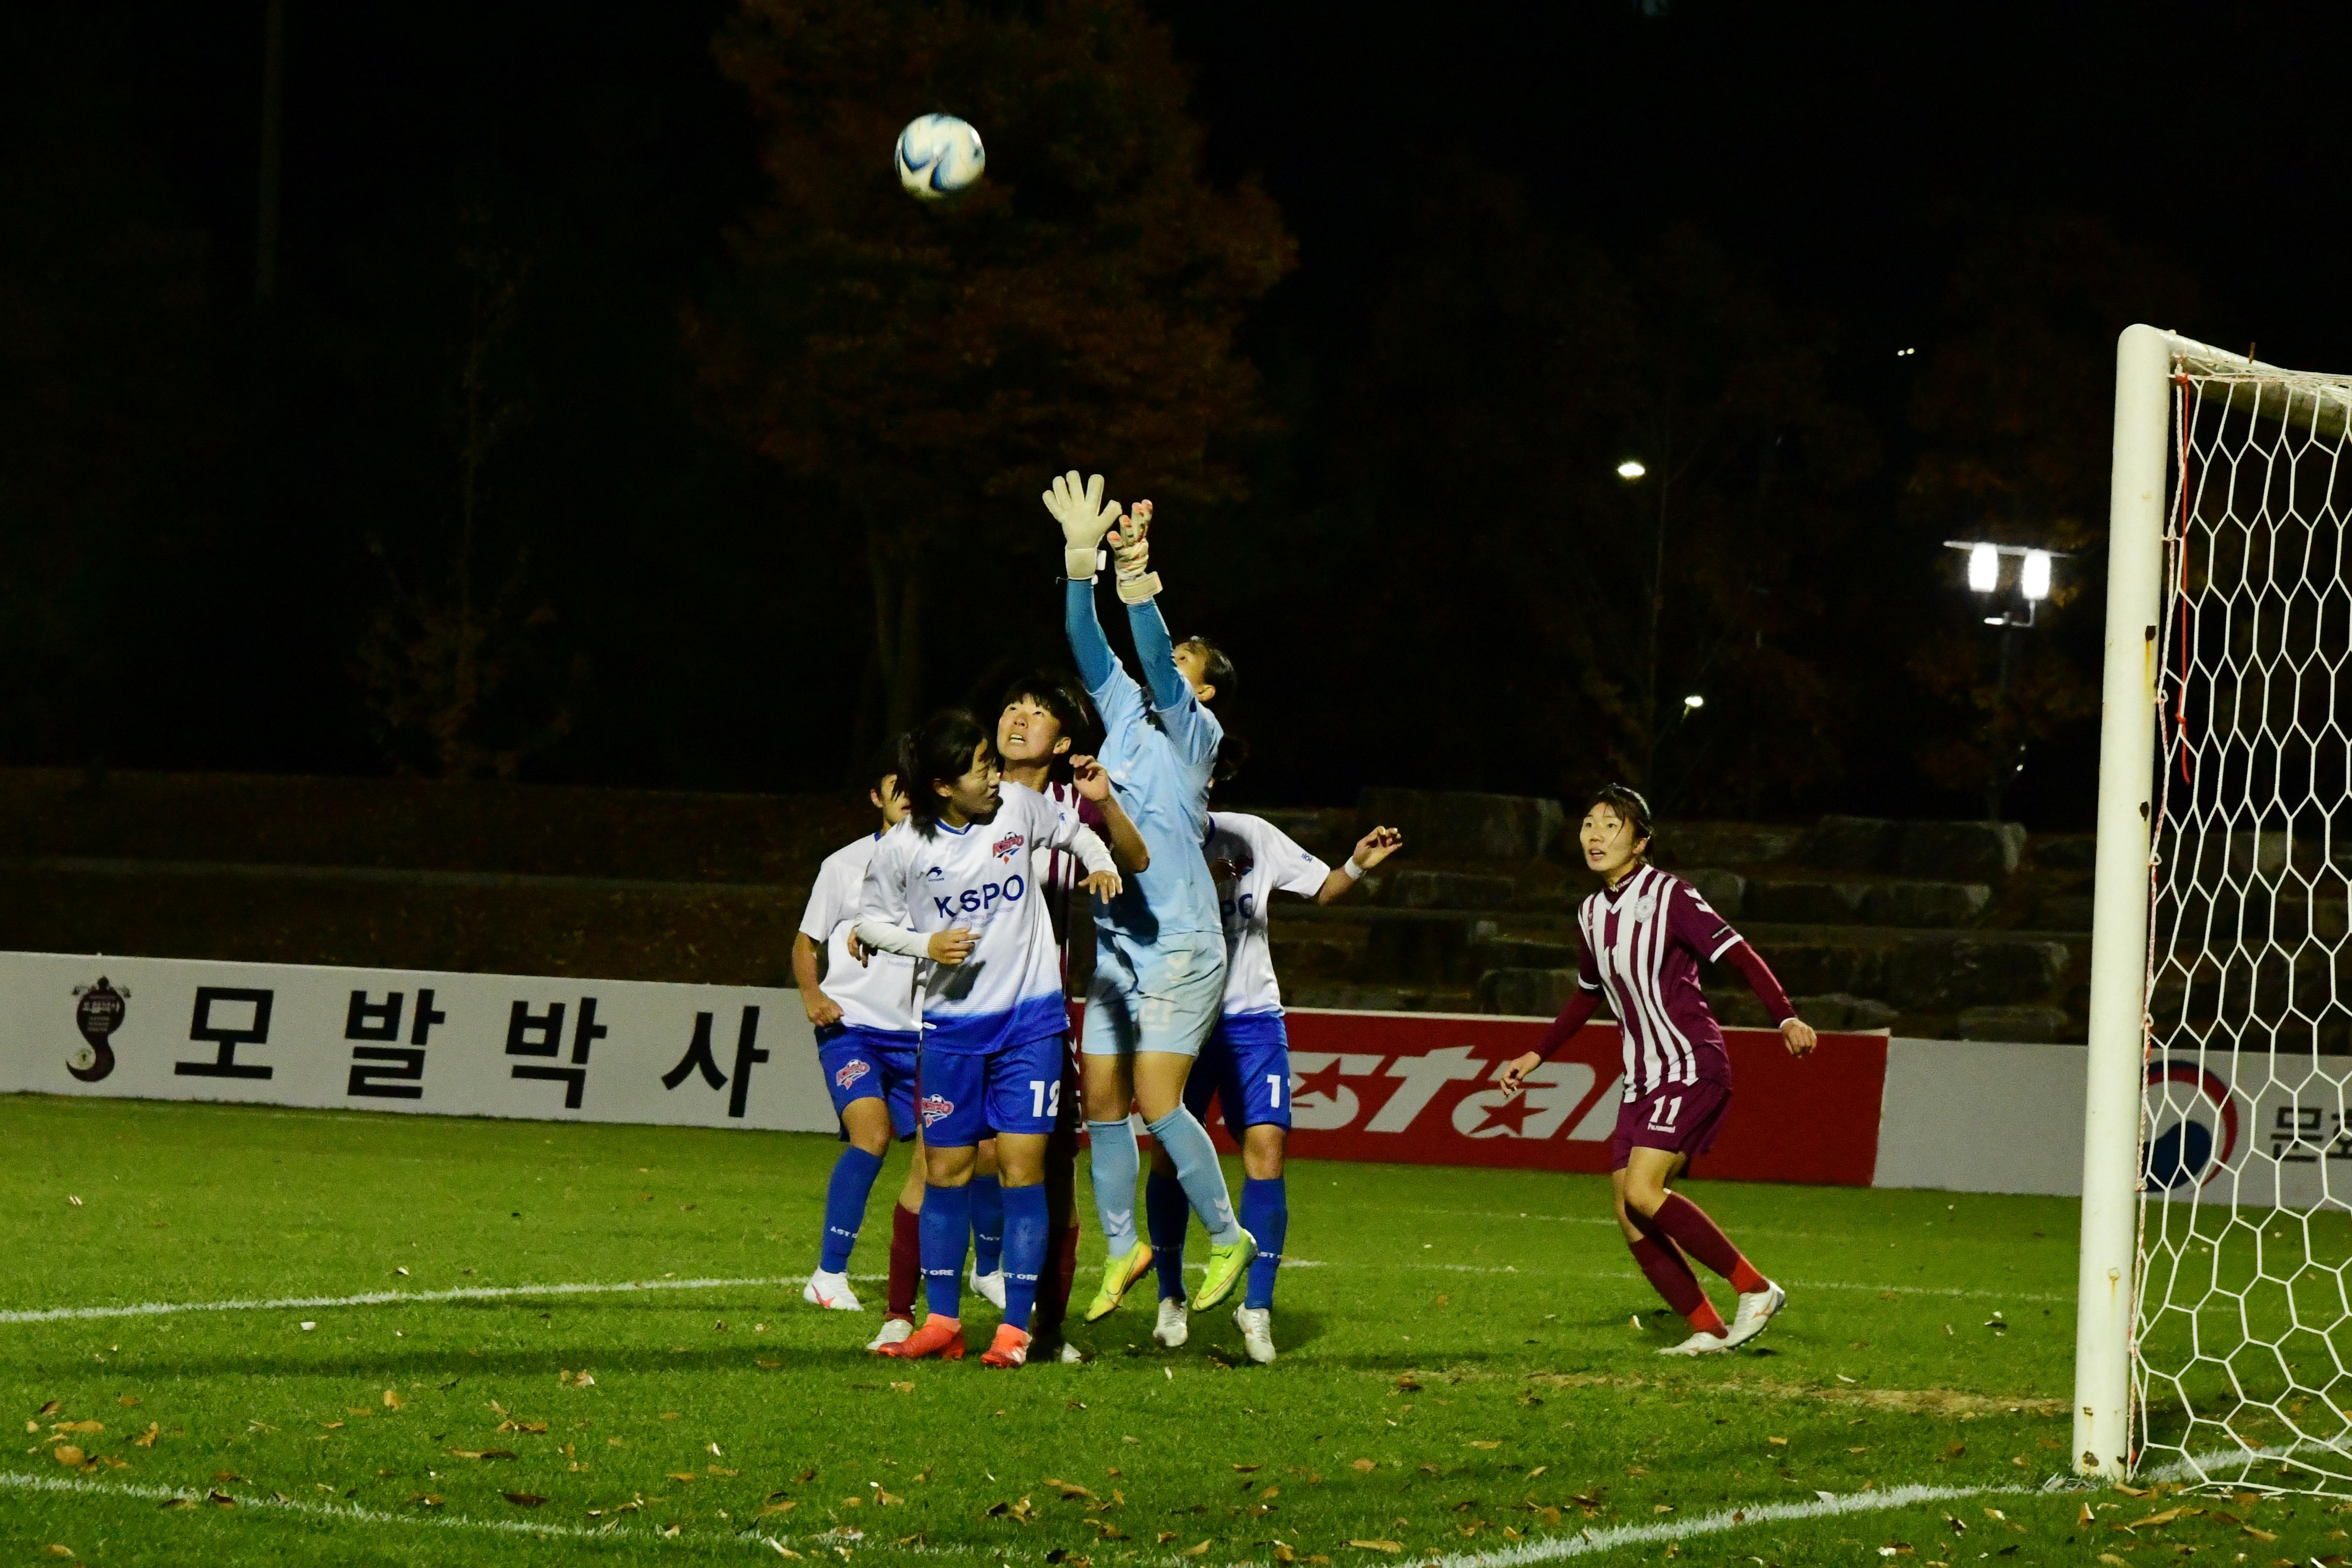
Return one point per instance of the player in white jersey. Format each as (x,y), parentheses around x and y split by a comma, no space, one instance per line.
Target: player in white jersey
(954,886)
(867,1034)
(1246,1062)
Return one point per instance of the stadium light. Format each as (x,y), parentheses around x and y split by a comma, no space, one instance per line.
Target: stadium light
(1631,468)
(1984,568)
(1694,702)
(2034,577)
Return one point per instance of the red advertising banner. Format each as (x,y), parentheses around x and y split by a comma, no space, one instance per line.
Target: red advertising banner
(1418,1088)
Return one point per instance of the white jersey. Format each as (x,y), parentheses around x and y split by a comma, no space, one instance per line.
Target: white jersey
(979,878)
(1252,859)
(880,995)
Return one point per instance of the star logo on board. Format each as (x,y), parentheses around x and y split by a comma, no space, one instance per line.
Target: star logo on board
(1325,1082)
(1510,1116)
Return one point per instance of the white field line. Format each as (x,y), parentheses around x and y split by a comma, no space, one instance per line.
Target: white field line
(628,1287)
(13,1480)
(380,1299)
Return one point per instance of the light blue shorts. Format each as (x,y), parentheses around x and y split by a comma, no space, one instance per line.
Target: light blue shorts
(1165,997)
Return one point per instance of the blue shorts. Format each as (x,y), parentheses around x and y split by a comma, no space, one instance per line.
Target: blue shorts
(870,1063)
(1246,1066)
(964,1099)
(1164,997)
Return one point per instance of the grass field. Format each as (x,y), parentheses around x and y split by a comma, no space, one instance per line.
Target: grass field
(1462,1375)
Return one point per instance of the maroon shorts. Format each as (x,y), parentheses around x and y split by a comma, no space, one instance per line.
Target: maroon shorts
(1681,1118)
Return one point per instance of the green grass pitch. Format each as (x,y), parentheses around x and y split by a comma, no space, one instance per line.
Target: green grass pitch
(1461,1373)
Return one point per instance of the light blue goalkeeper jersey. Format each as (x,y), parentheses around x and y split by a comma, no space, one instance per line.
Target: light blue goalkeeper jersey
(1162,772)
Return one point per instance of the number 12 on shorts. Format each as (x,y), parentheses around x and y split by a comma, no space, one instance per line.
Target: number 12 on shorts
(1662,1112)
(1044,1097)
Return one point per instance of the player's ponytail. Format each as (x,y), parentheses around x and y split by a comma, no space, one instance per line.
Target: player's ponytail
(936,752)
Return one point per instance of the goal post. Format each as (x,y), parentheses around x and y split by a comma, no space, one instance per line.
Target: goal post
(2214,1314)
(2137,504)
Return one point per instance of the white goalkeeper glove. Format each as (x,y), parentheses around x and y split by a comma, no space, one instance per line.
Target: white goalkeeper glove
(1137,582)
(1085,518)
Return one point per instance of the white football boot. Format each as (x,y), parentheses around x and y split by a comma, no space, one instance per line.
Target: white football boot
(1256,1324)
(1175,1324)
(1070,1355)
(989,1286)
(1755,1312)
(895,1330)
(1701,1344)
(830,1290)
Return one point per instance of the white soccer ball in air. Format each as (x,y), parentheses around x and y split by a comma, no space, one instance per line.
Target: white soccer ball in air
(938,155)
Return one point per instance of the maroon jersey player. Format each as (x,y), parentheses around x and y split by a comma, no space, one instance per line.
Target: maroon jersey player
(1644,935)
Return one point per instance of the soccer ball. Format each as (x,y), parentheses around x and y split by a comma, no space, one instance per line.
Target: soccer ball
(938,155)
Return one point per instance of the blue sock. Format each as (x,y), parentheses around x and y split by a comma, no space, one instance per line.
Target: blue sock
(1024,1251)
(987,1225)
(1166,1213)
(1114,1162)
(1187,1142)
(947,1227)
(844,1204)
(1265,1215)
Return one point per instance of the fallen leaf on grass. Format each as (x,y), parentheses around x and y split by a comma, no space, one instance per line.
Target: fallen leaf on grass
(784,1507)
(128,1401)
(1199,1551)
(483,1453)
(1365,1465)
(1408,1384)
(764,1365)
(680,1474)
(425,1499)
(393,1401)
(51,1408)
(57,1551)
(1107,1530)
(721,1470)
(1370,1545)
(2166,1517)
(328,1425)
(173,1503)
(523,1499)
(79,1427)
(1485,1443)
(1778,1442)
(1069,1488)
(805,1477)
(2111,1557)
(66,1454)
(222,1499)
(534,1426)
(581,1379)
(2259,1534)
(669,1414)
(902,1388)
(1245,1469)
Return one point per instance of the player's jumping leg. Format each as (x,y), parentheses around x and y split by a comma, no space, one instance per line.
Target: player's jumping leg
(1159,1092)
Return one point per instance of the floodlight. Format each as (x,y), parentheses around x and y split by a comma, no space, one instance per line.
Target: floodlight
(2034,577)
(1984,568)
(1694,702)
(1631,468)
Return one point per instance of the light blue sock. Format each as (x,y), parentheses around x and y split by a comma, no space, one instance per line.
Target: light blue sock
(1265,1215)
(1187,1142)
(1114,1163)
(1024,1252)
(1166,1214)
(987,1224)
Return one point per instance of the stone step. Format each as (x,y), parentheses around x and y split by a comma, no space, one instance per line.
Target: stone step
(1360,998)
(1456,825)
(1910,904)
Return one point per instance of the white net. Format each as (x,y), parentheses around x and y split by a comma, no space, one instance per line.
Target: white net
(2244,1318)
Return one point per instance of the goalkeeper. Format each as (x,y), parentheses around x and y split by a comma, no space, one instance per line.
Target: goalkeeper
(1159,960)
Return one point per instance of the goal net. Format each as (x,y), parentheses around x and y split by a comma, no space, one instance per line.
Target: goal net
(2240,1355)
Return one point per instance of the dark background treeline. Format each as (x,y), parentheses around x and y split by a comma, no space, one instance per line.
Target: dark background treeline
(608,421)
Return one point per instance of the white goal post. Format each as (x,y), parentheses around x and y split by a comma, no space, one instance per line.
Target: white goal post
(2214,1320)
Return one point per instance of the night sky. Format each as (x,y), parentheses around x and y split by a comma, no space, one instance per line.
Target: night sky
(1844,157)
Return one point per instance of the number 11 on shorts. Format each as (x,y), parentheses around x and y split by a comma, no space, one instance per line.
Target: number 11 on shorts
(1662,1112)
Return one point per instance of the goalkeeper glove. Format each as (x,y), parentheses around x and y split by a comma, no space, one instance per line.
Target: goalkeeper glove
(1085,518)
(1138,584)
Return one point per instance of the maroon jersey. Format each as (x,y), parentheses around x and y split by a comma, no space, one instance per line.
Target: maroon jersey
(1643,940)
(1062,872)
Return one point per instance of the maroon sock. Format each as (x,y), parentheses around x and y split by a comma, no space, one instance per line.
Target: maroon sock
(1061,1274)
(1696,1235)
(1670,1274)
(905,1261)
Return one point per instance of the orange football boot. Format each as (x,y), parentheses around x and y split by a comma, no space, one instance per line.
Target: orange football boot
(941,1337)
(1010,1350)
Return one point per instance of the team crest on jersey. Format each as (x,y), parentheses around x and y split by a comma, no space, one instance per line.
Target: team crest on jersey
(937,1108)
(851,1072)
(1006,847)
